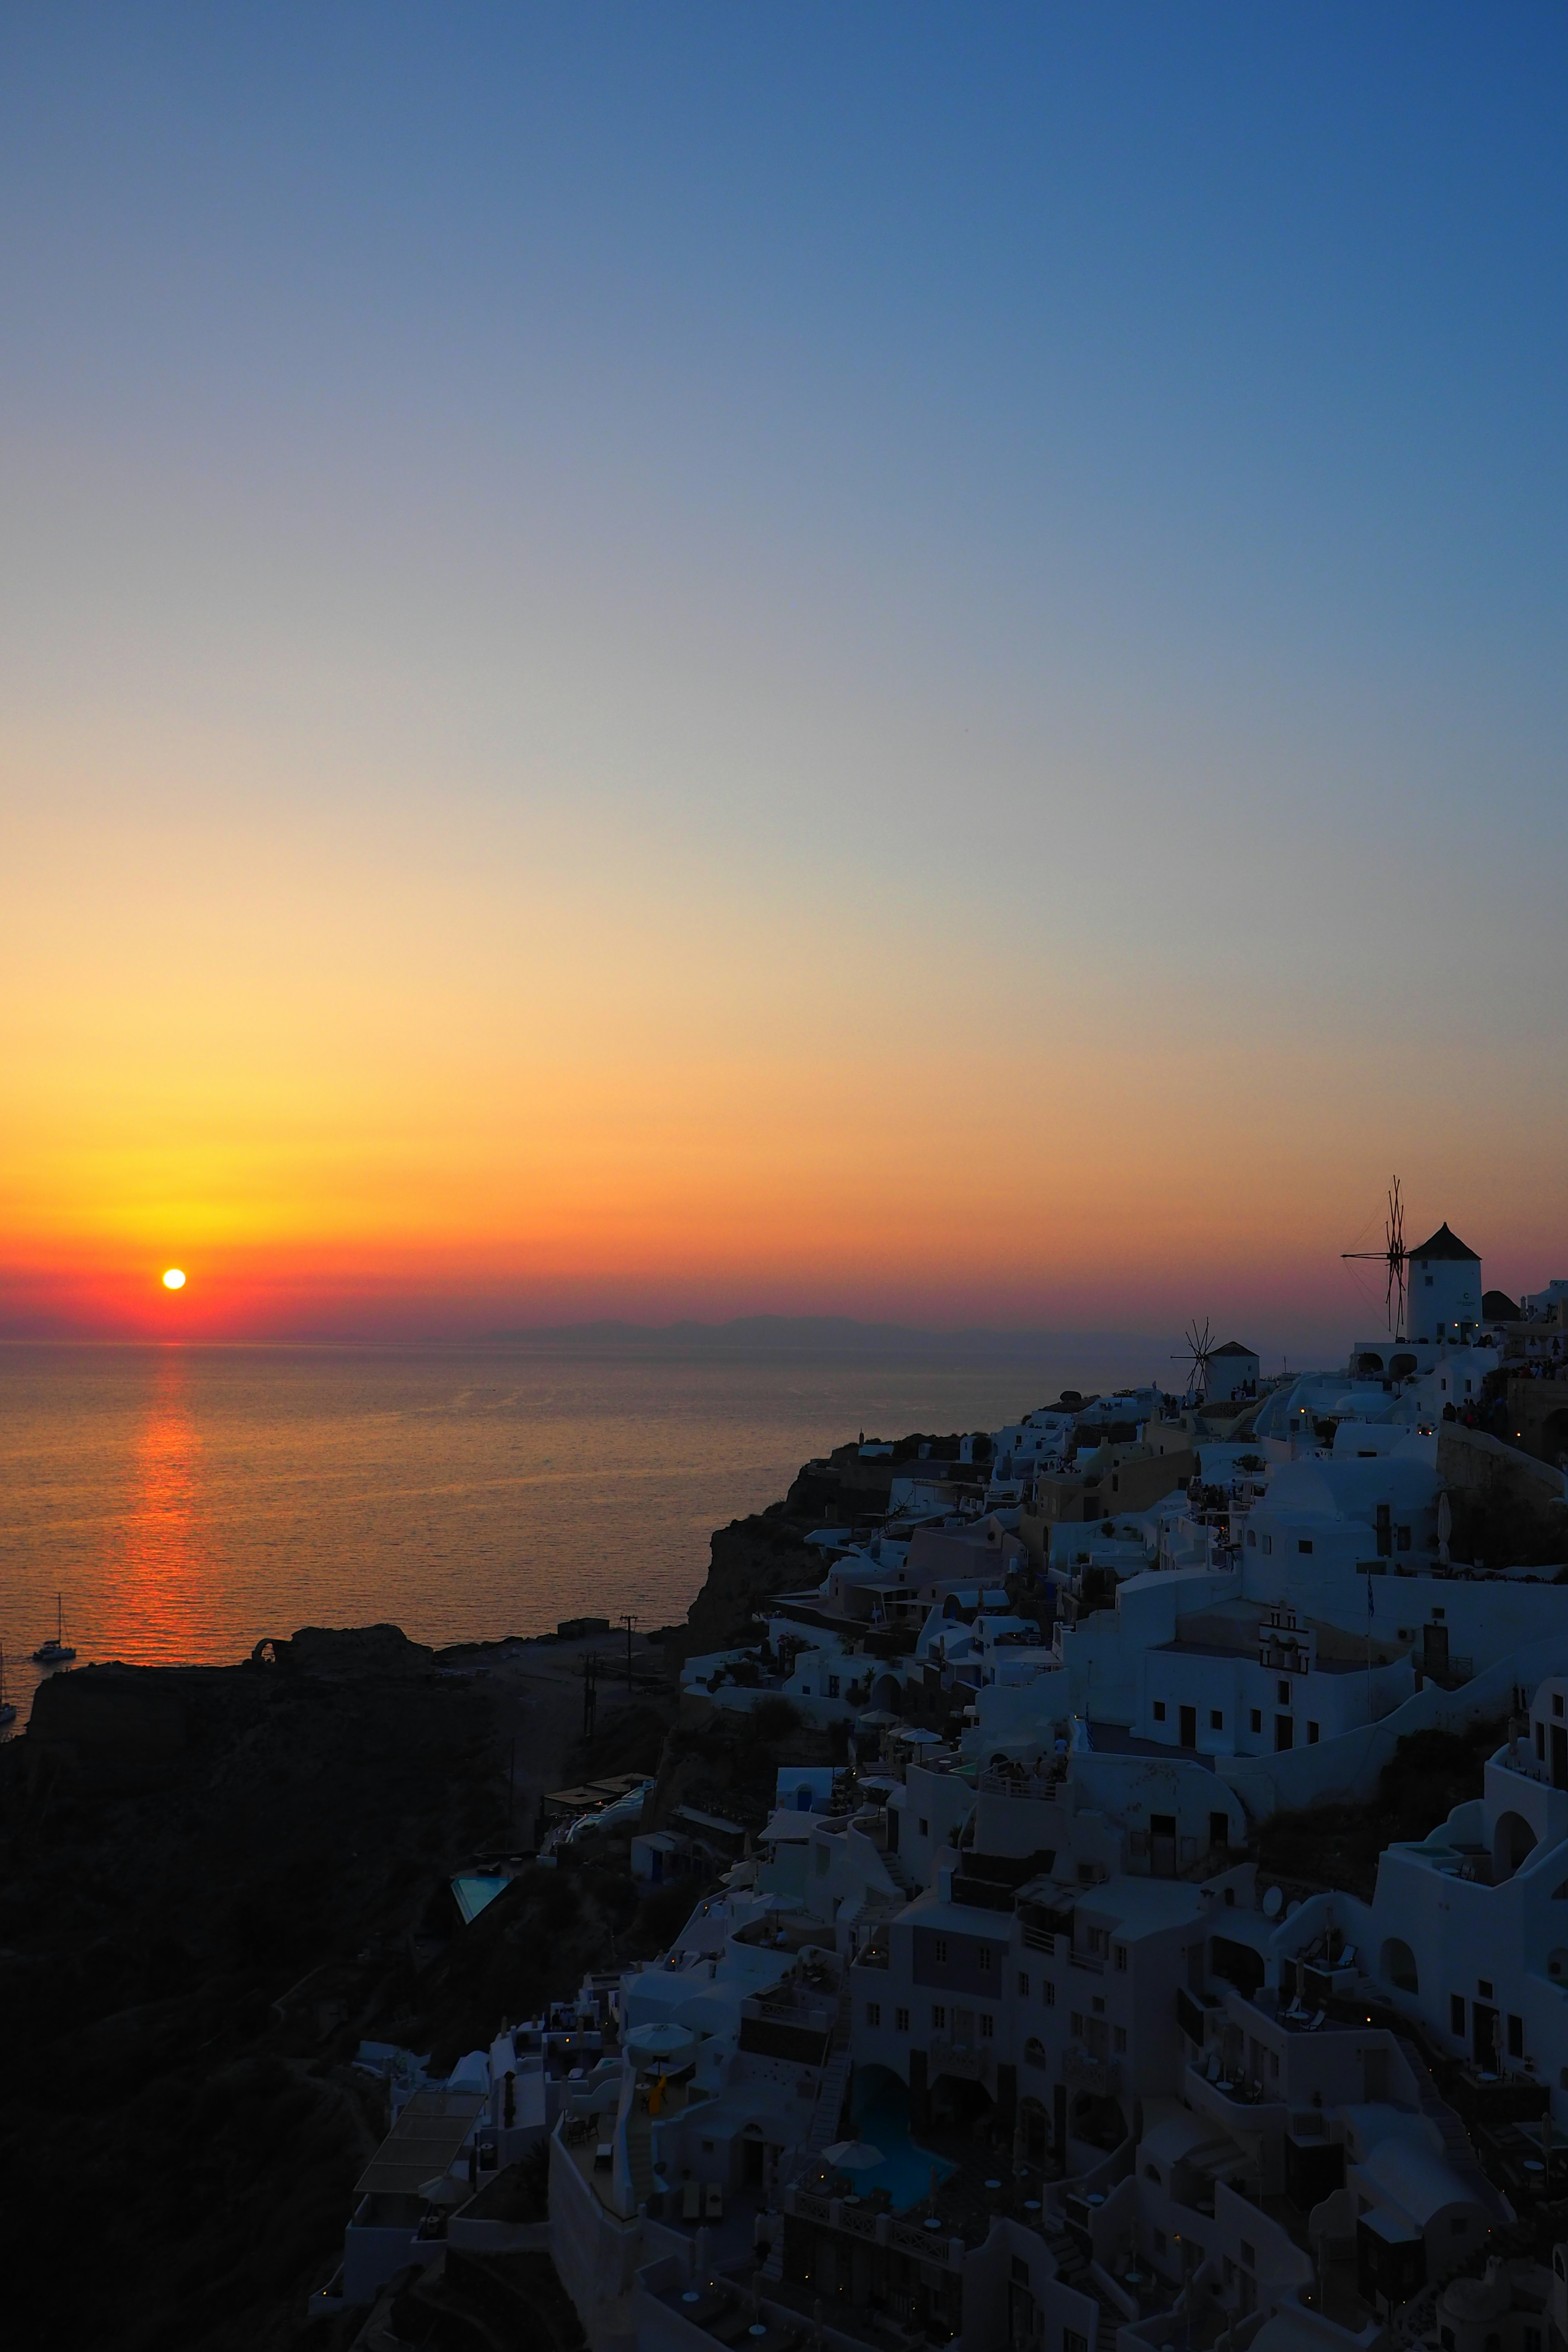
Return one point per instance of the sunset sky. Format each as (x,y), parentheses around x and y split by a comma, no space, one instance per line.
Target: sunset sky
(683,660)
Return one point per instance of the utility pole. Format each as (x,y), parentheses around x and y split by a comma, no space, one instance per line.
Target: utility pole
(589,1694)
(628,1619)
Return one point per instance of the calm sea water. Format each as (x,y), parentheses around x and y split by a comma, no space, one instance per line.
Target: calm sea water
(185,1502)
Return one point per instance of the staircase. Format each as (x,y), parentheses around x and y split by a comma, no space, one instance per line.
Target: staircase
(898,1871)
(1456,2144)
(830,2104)
(639,2156)
(1073,2269)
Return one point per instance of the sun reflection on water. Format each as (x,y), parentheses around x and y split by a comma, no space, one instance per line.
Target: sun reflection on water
(162,1540)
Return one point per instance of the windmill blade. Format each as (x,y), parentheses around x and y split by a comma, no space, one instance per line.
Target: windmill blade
(1392,1256)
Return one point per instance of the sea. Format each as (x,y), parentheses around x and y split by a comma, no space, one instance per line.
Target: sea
(178,1504)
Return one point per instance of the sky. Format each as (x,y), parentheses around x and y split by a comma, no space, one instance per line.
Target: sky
(691,660)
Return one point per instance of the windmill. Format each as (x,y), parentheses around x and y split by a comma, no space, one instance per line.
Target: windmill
(1393,1257)
(1200,1347)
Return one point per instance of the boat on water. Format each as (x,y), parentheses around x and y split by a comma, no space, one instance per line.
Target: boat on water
(7,1711)
(58,1652)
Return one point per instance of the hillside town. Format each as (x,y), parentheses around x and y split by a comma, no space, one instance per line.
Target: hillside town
(1029,2013)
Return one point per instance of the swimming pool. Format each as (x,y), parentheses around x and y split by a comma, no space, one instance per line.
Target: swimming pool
(880,2105)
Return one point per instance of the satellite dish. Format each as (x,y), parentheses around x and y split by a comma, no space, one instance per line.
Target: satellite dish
(1273,1904)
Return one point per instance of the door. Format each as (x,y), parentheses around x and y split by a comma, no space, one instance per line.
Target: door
(1484,2027)
(1163,1844)
(1189,1726)
(1020,2315)
(1435,1649)
(1284,1732)
(1559,1756)
(963,2027)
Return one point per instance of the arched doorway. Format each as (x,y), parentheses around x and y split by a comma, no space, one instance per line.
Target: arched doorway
(1512,1839)
(1397,1966)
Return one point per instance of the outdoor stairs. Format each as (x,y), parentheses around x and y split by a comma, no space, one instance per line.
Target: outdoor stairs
(1456,2144)
(830,2104)
(1073,2269)
(639,2156)
(898,1871)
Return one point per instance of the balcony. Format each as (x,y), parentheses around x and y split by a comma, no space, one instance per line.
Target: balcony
(1092,2072)
(971,2061)
(1034,1787)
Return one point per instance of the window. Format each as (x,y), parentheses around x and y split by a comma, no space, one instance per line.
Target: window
(1427,1281)
(1516,2037)
(984,1959)
(873,2012)
(1556,1702)
(1252,1535)
(1402,1539)
(1532,2339)
(1119,2038)
(1258,1719)
(1216,1718)
(901,2020)
(1072,2341)
(1249,2256)
(1049,1994)
(1457,2015)
(1159,1710)
(938,2017)
(833,1686)
(1313,1734)
(1075,2026)
(1023,1984)
(1267,1543)
(925,1828)
(1283,1689)
(1121,1959)
(1303,1543)
(1158,2239)
(987,2025)
(942,1951)
(1484,1987)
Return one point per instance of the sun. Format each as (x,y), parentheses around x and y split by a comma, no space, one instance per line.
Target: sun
(173,1279)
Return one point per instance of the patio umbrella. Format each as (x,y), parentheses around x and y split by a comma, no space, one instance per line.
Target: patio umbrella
(852,2155)
(447,2191)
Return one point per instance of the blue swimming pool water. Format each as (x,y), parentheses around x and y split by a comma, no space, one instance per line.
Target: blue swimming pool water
(880,2105)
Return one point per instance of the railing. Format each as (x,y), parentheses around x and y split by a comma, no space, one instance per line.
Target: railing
(1038,1789)
(969,2058)
(1096,2073)
(1093,1961)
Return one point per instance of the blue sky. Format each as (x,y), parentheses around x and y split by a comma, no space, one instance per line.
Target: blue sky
(1056,514)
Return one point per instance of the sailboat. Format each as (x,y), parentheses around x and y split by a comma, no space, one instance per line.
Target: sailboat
(57,1653)
(7,1712)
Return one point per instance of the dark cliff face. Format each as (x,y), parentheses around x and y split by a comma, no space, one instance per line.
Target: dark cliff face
(752,1561)
(211,1881)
